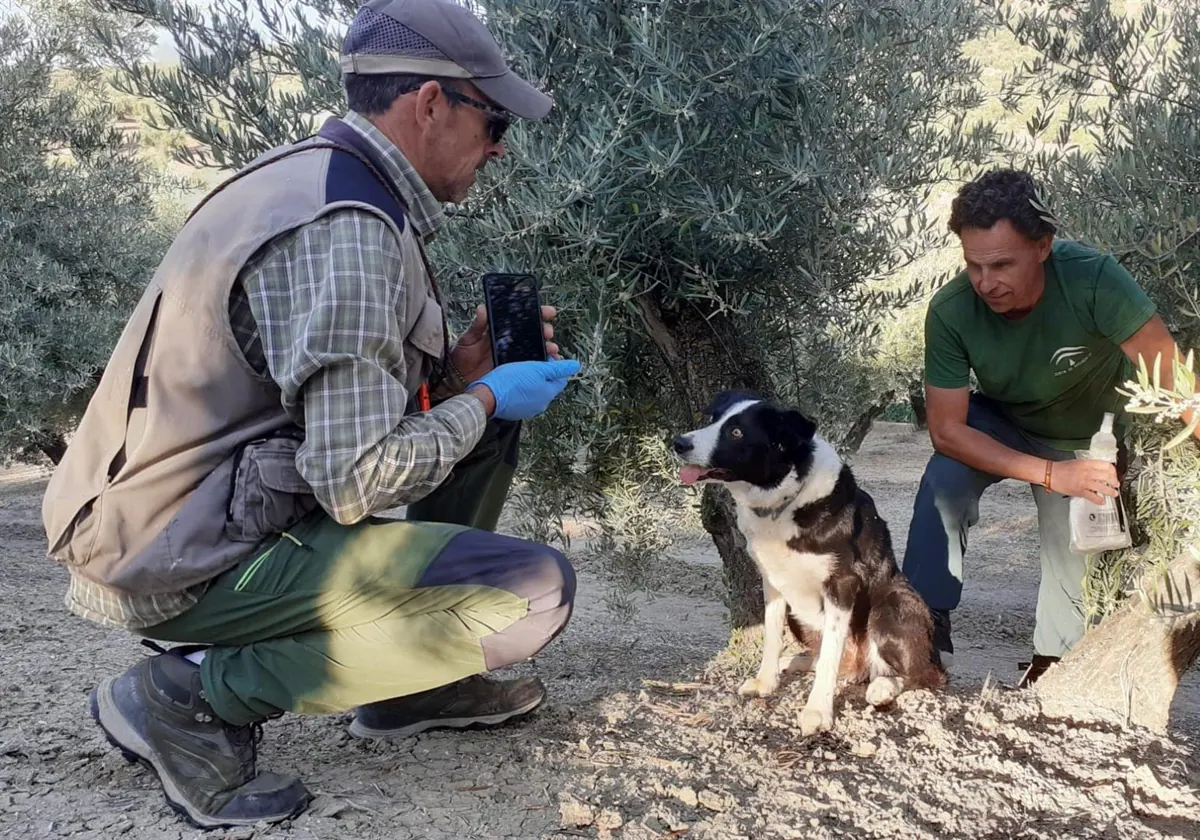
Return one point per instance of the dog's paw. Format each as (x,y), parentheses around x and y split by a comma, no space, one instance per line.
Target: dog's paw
(758,687)
(814,720)
(883,690)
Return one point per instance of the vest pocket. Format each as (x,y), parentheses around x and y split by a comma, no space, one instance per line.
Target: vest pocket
(424,346)
(428,333)
(268,495)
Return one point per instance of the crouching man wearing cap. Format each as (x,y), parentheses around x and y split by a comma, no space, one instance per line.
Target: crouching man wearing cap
(286,376)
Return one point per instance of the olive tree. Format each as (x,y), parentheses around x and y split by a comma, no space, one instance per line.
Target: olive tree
(79,232)
(708,204)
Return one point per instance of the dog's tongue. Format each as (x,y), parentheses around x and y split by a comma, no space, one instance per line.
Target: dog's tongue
(690,474)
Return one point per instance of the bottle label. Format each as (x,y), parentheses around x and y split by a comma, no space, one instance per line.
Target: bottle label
(1103,521)
(1098,527)
(1101,527)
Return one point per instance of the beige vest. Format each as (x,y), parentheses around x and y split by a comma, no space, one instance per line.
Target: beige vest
(173,478)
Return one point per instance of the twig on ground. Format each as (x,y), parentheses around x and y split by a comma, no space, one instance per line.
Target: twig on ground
(674,688)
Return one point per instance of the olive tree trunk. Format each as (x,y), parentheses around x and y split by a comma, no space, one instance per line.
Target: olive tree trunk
(916,400)
(861,427)
(1128,667)
(706,353)
(53,446)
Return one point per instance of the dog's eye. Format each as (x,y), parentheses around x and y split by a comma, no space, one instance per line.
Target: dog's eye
(735,433)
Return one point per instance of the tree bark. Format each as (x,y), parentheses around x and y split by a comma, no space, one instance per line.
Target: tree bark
(1128,667)
(861,427)
(51,444)
(743,583)
(916,400)
(706,353)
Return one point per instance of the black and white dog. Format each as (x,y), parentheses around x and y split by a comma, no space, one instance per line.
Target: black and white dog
(824,553)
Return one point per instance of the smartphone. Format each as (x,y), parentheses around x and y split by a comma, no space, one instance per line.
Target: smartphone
(514,310)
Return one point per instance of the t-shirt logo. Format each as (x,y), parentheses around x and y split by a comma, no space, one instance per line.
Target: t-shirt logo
(1066,359)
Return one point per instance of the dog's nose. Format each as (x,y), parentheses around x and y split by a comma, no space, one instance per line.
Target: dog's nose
(683,445)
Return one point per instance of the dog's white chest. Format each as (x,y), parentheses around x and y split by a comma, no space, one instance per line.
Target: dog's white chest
(798,576)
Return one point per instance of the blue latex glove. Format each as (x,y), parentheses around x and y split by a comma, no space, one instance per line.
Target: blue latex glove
(526,389)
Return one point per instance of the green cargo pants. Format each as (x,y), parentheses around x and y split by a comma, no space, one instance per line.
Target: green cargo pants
(329,617)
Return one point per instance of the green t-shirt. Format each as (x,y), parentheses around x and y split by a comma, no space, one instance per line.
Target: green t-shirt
(1055,371)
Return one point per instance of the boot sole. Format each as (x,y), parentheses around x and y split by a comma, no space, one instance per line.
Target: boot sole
(135,750)
(358,730)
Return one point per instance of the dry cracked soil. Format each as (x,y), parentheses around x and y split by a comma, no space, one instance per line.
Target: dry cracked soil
(643,735)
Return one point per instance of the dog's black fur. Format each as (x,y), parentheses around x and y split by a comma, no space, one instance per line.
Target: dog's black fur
(790,486)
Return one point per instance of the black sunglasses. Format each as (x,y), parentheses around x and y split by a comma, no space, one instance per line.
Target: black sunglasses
(498,121)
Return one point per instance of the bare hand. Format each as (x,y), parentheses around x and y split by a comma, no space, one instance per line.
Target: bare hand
(472,353)
(1087,479)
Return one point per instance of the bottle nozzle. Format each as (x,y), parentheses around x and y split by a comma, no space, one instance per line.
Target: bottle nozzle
(1107,423)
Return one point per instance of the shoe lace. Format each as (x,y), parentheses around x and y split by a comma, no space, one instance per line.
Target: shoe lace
(245,739)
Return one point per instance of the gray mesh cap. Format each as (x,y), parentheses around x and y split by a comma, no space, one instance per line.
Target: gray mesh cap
(437,38)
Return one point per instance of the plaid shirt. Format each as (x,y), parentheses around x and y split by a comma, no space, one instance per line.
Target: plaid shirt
(320,309)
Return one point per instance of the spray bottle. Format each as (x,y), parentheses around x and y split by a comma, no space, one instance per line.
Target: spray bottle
(1101,527)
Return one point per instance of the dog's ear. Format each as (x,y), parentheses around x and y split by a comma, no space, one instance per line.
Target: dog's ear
(790,429)
(726,400)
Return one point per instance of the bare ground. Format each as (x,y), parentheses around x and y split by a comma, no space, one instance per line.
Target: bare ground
(643,736)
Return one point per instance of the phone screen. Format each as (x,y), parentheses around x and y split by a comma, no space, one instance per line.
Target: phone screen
(514,318)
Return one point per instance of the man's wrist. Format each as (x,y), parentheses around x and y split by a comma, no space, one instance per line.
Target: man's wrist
(485,396)
(1026,468)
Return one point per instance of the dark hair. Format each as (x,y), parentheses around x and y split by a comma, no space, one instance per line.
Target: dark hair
(1000,194)
(371,95)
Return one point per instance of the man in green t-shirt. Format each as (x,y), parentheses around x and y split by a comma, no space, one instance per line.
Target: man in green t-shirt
(1050,329)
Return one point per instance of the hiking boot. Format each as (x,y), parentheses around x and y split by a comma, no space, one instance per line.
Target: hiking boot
(156,713)
(1033,670)
(474,701)
(942,646)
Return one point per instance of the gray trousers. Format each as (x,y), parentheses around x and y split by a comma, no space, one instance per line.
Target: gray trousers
(947,506)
